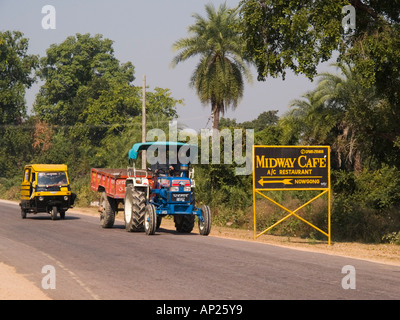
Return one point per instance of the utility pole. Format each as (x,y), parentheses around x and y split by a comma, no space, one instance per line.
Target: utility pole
(144,121)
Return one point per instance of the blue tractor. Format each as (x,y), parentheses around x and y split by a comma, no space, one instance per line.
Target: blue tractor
(165,189)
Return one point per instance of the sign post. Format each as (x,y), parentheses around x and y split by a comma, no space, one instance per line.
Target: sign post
(292,168)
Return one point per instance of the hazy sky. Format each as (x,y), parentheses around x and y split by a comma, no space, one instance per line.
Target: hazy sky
(143,33)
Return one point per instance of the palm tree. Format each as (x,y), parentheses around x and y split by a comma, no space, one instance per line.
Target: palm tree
(218,77)
(339,112)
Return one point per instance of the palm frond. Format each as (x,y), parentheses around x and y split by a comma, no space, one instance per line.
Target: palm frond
(218,78)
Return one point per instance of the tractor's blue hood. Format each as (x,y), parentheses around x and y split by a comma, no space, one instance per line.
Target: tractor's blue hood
(134,152)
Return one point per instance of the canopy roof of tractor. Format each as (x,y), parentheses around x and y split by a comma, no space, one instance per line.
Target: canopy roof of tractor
(134,152)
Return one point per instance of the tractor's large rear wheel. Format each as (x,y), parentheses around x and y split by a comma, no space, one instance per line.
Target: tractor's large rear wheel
(134,209)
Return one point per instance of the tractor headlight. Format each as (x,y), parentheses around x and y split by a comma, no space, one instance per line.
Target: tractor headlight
(174,189)
(66,198)
(142,181)
(187,189)
(41,198)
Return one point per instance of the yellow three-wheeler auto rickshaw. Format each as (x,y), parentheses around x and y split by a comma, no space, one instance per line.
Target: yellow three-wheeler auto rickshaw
(45,188)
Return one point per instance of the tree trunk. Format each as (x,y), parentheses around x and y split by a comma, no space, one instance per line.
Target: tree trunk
(215,115)
(215,119)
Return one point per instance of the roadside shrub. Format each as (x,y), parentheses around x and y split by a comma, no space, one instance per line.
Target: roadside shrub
(366,205)
(392,238)
(85,195)
(268,213)
(10,188)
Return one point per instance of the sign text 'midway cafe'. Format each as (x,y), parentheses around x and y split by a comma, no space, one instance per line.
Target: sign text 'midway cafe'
(299,167)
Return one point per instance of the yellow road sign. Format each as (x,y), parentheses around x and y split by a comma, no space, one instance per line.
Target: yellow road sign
(291,168)
(294,167)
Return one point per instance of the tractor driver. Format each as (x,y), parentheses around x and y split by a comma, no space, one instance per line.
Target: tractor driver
(165,167)
(161,168)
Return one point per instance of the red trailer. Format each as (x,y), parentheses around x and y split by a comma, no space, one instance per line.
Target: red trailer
(111,184)
(110,181)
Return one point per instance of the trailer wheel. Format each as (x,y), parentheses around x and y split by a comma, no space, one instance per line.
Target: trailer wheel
(205,225)
(107,211)
(54,213)
(134,209)
(184,222)
(150,219)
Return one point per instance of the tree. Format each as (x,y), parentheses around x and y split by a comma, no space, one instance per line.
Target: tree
(342,113)
(264,120)
(89,94)
(78,71)
(161,104)
(108,106)
(281,35)
(366,129)
(218,77)
(16,67)
(294,35)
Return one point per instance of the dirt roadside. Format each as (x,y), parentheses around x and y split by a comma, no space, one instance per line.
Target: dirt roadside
(14,286)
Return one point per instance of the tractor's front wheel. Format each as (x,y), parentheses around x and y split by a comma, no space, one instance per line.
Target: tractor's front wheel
(150,219)
(134,209)
(205,224)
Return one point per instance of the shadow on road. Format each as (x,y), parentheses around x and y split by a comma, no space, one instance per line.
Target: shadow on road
(42,217)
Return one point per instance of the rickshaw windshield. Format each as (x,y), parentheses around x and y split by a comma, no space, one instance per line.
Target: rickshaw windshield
(52,179)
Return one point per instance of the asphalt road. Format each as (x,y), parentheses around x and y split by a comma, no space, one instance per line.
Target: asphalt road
(95,263)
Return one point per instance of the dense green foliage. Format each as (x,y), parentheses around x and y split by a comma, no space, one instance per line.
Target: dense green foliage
(298,35)
(295,35)
(86,114)
(15,76)
(16,68)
